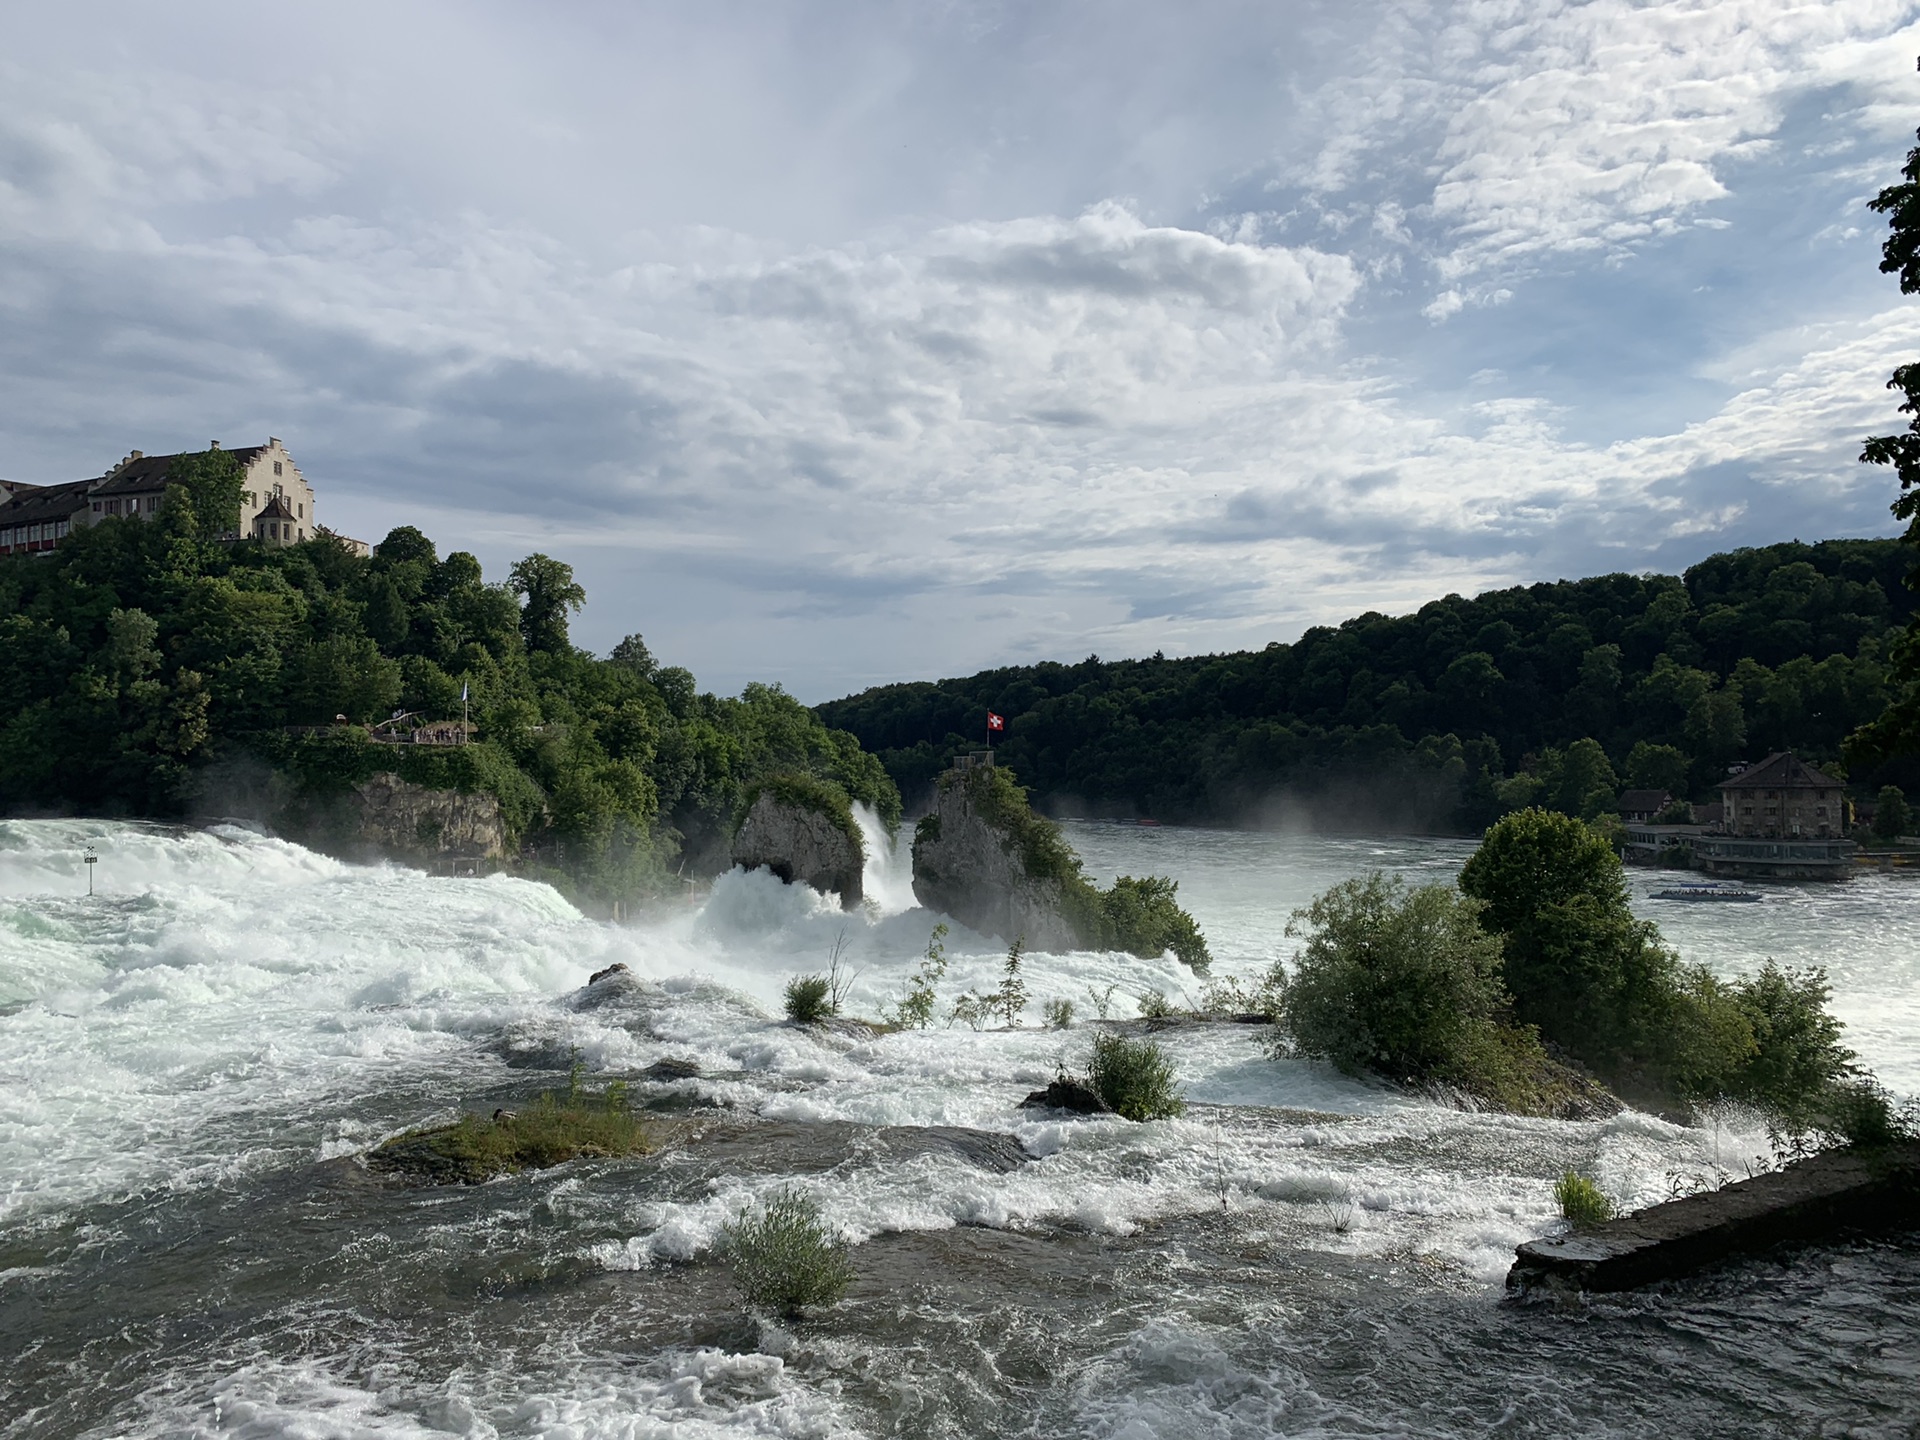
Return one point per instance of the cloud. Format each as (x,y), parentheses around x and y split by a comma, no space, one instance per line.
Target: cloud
(945,438)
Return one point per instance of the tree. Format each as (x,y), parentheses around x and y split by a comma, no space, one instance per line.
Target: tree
(1892,817)
(548,592)
(1658,767)
(632,654)
(1556,893)
(1390,980)
(207,486)
(1897,730)
(405,543)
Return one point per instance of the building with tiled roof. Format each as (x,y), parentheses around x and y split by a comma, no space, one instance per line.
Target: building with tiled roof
(276,503)
(1780,820)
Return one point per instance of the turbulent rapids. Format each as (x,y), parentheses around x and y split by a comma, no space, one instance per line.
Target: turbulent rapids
(194,1062)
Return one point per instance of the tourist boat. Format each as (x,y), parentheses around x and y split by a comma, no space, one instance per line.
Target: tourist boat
(1708,892)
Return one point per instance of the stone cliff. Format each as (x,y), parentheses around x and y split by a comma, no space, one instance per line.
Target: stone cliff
(990,866)
(803,832)
(399,818)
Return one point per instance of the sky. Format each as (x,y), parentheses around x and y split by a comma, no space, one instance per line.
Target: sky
(834,345)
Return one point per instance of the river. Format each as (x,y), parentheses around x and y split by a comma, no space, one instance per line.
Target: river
(192,1061)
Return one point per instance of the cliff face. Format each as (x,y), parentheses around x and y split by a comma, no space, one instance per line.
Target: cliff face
(974,870)
(800,843)
(403,819)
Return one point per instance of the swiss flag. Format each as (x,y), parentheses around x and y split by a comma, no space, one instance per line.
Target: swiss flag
(996,722)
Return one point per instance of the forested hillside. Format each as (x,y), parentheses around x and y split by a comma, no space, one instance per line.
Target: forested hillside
(146,670)
(1447,717)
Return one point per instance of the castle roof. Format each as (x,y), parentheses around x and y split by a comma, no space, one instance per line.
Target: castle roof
(1782,771)
(44,502)
(276,508)
(149,472)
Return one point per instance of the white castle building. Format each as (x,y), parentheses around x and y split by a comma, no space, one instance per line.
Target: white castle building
(276,502)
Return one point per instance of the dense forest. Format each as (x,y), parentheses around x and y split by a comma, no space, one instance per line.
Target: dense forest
(147,670)
(1557,694)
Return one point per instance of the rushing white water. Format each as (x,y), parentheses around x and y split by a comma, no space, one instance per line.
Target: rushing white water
(229,1008)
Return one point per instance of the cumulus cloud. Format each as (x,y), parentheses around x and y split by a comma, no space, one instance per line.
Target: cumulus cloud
(938,440)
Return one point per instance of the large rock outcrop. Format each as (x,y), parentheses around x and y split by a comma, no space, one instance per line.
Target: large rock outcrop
(397,817)
(804,833)
(982,857)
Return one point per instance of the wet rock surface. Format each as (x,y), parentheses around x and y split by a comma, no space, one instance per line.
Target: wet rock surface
(1814,1200)
(1068,1095)
(800,845)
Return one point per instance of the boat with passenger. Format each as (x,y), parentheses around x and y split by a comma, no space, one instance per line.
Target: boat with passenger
(1707,890)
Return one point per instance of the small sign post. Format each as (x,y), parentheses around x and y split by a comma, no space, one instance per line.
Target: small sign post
(92,860)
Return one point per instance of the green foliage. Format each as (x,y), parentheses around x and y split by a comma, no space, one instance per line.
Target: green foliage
(1892,816)
(1401,983)
(916,1011)
(1006,1003)
(561,1126)
(207,487)
(1657,767)
(785,1258)
(1010,1000)
(1154,1005)
(809,999)
(1599,983)
(548,594)
(1058,1014)
(1418,721)
(1134,1077)
(1144,918)
(143,666)
(1797,1051)
(1581,1201)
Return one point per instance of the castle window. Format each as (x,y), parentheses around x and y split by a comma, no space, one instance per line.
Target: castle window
(276,467)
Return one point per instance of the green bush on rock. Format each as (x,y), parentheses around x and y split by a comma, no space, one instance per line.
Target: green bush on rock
(1405,984)
(1581,1203)
(784,1258)
(1134,1077)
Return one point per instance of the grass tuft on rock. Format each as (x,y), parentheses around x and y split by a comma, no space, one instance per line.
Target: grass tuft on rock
(1581,1202)
(784,1258)
(1134,1077)
(572,1124)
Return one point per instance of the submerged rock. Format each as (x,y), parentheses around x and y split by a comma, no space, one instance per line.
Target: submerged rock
(672,1069)
(803,831)
(617,968)
(1069,1095)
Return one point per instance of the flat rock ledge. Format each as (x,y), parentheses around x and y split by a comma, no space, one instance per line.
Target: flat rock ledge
(1808,1202)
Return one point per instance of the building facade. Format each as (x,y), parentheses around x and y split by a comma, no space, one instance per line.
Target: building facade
(276,502)
(1780,820)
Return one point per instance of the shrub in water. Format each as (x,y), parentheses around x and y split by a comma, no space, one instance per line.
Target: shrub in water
(784,1258)
(1580,1201)
(916,1011)
(1391,980)
(809,999)
(1134,1077)
(1058,1014)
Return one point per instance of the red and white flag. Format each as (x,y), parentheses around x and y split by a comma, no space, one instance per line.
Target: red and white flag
(996,722)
